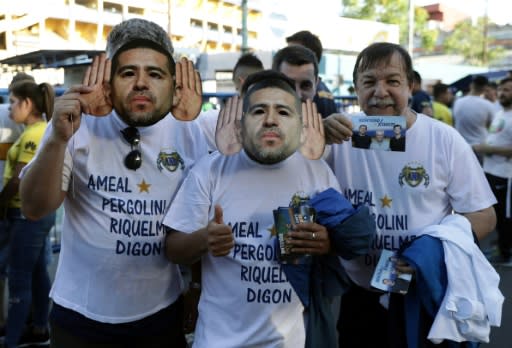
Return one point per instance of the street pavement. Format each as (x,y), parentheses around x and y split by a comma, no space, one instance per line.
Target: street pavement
(501,337)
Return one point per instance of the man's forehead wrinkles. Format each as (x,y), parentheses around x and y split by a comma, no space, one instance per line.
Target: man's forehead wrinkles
(378,72)
(269,105)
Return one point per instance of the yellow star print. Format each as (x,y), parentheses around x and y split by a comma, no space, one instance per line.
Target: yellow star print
(143,186)
(386,201)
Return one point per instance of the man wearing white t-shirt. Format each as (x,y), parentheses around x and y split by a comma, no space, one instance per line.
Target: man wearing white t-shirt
(473,114)
(436,174)
(223,216)
(116,175)
(497,151)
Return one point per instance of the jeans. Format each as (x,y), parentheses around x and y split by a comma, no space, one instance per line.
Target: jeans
(499,187)
(4,247)
(163,329)
(28,278)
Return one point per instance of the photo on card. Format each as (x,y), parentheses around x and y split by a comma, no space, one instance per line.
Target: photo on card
(384,133)
(386,277)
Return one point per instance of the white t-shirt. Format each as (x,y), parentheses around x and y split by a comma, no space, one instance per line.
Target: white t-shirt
(207,121)
(112,266)
(472,115)
(409,190)
(500,134)
(246,300)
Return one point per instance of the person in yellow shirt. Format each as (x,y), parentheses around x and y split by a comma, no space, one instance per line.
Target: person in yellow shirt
(28,279)
(443,99)
(9,132)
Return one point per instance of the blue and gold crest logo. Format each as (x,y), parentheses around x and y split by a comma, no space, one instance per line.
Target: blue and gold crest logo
(298,199)
(413,175)
(170,161)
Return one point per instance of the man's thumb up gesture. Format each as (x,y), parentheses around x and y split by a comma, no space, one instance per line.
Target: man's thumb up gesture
(220,237)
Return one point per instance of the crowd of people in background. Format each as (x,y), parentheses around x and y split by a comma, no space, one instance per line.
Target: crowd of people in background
(155,191)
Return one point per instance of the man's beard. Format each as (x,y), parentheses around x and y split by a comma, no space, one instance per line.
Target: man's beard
(271,156)
(140,118)
(506,103)
(145,119)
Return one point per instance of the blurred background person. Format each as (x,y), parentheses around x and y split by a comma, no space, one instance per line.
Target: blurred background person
(443,100)
(473,114)
(420,101)
(323,99)
(28,279)
(491,94)
(497,151)
(9,132)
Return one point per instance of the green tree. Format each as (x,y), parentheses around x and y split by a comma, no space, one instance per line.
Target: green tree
(470,41)
(393,12)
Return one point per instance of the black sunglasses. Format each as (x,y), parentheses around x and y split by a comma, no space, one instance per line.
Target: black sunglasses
(133,160)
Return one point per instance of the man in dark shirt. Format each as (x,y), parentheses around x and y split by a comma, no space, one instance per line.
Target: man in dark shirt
(397,142)
(420,101)
(361,139)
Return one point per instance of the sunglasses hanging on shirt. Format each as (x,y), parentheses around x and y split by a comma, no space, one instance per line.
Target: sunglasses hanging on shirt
(133,159)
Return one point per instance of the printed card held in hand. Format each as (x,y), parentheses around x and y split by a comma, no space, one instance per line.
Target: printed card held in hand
(387,278)
(285,219)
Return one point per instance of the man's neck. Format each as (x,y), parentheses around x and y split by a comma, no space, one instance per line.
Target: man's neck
(410,116)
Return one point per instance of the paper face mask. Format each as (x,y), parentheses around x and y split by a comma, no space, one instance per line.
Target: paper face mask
(228,136)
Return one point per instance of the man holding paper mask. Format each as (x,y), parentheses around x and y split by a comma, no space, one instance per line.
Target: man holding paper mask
(115,157)
(223,216)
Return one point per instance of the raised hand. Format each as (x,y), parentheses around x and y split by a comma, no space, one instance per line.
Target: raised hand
(220,237)
(96,101)
(313,132)
(67,113)
(227,133)
(188,91)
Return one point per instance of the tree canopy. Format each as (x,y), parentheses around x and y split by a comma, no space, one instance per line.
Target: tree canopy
(469,40)
(393,12)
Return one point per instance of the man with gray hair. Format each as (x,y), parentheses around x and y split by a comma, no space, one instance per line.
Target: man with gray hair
(116,175)
(379,142)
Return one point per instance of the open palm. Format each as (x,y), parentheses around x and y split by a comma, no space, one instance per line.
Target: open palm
(313,132)
(227,133)
(96,76)
(189,93)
